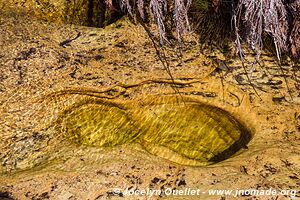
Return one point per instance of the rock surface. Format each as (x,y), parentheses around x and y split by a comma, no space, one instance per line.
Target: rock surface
(37,58)
(80,12)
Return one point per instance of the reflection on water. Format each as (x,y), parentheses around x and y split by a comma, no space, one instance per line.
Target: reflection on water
(175,128)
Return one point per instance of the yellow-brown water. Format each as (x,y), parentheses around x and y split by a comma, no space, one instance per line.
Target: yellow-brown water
(174,127)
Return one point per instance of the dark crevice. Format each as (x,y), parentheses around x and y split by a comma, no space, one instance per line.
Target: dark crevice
(90,12)
(99,15)
(6,196)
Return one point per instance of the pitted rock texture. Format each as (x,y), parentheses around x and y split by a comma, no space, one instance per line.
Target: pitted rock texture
(37,58)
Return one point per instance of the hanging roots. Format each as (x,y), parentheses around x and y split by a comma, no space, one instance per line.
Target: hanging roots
(248,20)
(258,17)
